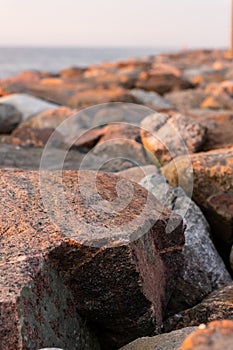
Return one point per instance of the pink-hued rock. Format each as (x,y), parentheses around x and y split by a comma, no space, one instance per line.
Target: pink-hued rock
(86,253)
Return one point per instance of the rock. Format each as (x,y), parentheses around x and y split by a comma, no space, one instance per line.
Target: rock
(231,259)
(217,102)
(28,137)
(214,336)
(98,96)
(115,155)
(36,308)
(169,341)
(136,174)
(27,105)
(212,173)
(152,100)
(204,270)
(204,75)
(72,72)
(220,214)
(36,131)
(109,249)
(49,119)
(16,157)
(10,117)
(185,100)
(161,81)
(73,93)
(170,135)
(124,131)
(217,306)
(218,125)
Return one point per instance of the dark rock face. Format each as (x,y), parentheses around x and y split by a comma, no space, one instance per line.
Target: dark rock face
(10,117)
(217,306)
(108,258)
(204,270)
(214,336)
(169,341)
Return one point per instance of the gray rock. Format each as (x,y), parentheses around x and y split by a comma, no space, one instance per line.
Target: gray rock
(151,99)
(136,174)
(216,306)
(10,117)
(169,341)
(170,135)
(27,105)
(115,155)
(204,269)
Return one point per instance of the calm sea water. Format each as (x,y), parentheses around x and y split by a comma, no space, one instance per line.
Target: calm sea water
(14,60)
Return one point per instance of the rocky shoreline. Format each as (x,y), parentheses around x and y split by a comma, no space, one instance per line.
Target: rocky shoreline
(117,205)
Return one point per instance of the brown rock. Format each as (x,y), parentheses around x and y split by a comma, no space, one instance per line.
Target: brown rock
(123,131)
(73,93)
(220,215)
(161,82)
(97,96)
(169,341)
(105,252)
(219,127)
(216,335)
(212,173)
(49,119)
(220,101)
(185,100)
(217,306)
(170,135)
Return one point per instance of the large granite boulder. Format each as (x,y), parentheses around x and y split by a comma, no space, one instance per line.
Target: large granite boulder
(93,239)
(204,270)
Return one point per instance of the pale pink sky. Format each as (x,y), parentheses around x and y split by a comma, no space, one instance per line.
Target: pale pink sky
(115,23)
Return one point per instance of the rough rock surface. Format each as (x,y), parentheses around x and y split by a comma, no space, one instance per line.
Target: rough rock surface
(152,100)
(169,341)
(216,335)
(204,270)
(136,174)
(162,81)
(217,306)
(116,155)
(168,136)
(110,248)
(220,215)
(27,105)
(10,117)
(212,173)
(218,125)
(184,100)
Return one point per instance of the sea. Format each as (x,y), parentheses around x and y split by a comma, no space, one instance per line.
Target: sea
(16,59)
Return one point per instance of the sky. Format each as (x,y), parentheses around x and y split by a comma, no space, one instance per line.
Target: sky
(109,23)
